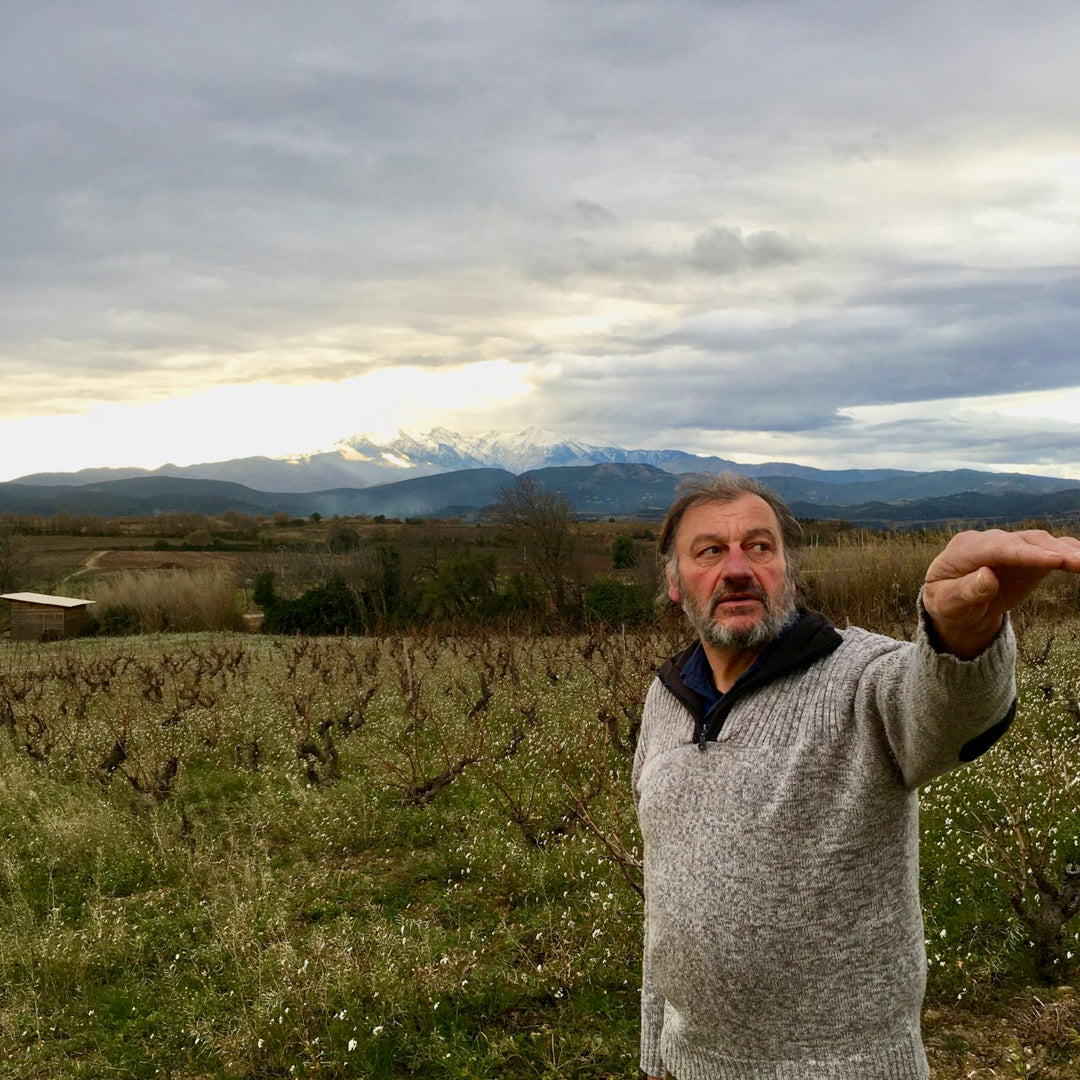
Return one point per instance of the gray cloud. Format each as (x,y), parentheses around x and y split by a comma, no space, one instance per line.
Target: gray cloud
(715,216)
(716,251)
(723,250)
(934,441)
(797,374)
(592,215)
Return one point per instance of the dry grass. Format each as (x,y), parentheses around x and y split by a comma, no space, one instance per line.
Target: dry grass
(869,581)
(1034,1033)
(153,601)
(115,560)
(873,581)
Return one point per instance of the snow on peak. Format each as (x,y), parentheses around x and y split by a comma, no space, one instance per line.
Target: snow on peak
(440,448)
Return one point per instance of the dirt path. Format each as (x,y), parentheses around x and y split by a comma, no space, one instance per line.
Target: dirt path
(95,558)
(113,559)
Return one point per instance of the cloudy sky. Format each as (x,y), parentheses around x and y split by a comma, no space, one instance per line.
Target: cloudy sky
(841,233)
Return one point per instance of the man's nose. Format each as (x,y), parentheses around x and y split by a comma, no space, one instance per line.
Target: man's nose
(736,564)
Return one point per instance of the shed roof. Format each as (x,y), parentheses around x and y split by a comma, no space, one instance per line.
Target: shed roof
(42,598)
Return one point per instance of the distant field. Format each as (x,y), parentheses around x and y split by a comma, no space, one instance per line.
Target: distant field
(55,558)
(113,560)
(227,855)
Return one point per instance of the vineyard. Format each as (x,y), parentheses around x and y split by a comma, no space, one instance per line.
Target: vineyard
(226,855)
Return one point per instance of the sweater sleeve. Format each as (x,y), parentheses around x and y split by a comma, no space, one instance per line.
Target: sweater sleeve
(652,1001)
(652,1018)
(938,711)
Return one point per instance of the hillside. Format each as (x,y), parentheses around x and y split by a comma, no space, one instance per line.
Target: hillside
(621,490)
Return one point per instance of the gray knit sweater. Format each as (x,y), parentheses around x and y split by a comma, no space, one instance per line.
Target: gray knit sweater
(783,931)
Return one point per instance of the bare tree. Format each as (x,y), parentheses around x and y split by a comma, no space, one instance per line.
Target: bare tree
(15,559)
(1026,822)
(550,538)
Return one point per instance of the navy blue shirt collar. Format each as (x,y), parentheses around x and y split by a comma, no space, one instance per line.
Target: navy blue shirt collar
(697,674)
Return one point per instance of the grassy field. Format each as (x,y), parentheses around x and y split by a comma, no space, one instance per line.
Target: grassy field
(232,856)
(130,544)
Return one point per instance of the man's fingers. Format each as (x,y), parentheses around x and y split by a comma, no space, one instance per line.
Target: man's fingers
(1032,550)
(981,586)
(1065,548)
(981,575)
(963,597)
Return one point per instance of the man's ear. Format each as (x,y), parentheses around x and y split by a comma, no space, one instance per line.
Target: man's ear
(673,589)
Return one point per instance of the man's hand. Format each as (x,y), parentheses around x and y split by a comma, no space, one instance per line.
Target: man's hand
(981,575)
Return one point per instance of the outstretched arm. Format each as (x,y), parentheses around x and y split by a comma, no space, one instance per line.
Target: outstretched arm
(981,575)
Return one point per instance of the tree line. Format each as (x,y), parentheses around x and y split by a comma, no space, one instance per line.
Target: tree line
(370,587)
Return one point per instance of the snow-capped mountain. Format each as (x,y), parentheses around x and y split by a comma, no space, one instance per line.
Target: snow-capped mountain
(441,450)
(363,461)
(533,448)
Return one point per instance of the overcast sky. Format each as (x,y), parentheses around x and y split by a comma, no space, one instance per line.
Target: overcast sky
(840,233)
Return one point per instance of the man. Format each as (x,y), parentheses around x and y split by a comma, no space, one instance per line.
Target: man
(775,780)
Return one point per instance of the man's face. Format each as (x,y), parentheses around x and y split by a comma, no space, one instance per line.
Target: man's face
(731,576)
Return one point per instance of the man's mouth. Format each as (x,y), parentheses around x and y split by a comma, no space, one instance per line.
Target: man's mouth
(736,599)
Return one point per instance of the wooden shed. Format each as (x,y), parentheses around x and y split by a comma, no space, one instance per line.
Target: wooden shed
(37,617)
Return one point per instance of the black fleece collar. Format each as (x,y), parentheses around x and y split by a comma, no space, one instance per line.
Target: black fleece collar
(811,638)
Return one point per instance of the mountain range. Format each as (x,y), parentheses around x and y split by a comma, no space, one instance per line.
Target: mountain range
(442,474)
(363,461)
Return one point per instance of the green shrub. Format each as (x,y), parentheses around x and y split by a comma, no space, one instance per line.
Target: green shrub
(523,594)
(327,609)
(619,603)
(463,588)
(116,621)
(342,539)
(624,554)
(263,591)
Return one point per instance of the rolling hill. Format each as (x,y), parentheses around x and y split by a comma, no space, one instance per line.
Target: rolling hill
(611,489)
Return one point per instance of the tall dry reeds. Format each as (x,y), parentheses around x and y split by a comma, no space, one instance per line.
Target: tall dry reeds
(873,581)
(869,581)
(153,601)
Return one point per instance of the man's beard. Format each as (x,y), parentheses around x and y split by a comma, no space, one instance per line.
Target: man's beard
(776,616)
